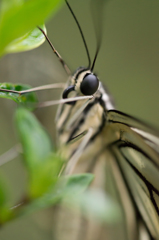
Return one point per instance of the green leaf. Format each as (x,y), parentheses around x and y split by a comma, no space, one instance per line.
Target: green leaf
(66,186)
(43,165)
(29,98)
(45,175)
(95,204)
(3,196)
(5,213)
(29,41)
(35,141)
(77,183)
(18,17)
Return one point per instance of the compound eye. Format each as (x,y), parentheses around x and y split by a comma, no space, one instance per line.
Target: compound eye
(89,84)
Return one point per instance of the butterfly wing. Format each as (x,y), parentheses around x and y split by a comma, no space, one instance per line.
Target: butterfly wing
(125,150)
(136,154)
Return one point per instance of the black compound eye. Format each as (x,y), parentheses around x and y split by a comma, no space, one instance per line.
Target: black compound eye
(89,84)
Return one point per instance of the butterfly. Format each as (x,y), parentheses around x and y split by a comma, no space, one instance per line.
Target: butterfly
(99,139)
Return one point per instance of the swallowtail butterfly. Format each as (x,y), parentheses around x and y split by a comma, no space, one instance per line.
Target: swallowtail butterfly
(99,139)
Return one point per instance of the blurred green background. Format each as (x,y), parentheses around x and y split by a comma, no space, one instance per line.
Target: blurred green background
(128,64)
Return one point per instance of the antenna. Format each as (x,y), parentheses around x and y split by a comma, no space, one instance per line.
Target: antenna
(56,52)
(97,17)
(82,35)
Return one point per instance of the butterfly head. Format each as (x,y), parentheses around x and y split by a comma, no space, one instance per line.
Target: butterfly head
(83,82)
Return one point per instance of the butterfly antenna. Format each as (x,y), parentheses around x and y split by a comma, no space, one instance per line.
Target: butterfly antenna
(57,54)
(82,35)
(95,57)
(97,16)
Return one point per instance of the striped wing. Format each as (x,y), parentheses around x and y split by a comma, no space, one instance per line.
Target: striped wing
(136,157)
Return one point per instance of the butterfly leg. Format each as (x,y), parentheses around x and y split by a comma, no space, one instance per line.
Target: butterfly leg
(10,154)
(45,87)
(74,159)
